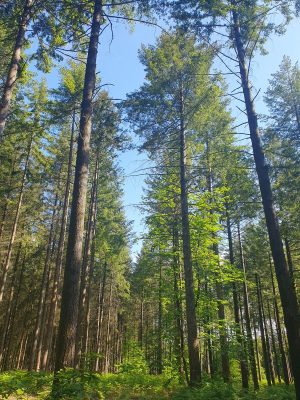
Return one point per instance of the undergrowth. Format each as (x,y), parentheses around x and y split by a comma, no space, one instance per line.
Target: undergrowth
(126,386)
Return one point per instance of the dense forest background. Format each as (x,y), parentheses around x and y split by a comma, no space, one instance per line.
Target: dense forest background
(209,308)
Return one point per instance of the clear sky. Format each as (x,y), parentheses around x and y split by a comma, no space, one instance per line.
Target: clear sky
(119,66)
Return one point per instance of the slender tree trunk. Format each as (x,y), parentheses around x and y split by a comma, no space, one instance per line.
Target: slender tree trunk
(287,294)
(107,333)
(219,285)
(247,316)
(6,264)
(262,334)
(100,308)
(37,339)
(269,354)
(11,326)
(60,252)
(192,334)
(8,315)
(85,267)
(256,350)
(65,345)
(277,368)
(284,364)
(86,318)
(290,263)
(179,336)
(6,200)
(239,336)
(159,344)
(141,322)
(14,66)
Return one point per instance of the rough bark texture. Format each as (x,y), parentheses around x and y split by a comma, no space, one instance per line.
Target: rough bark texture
(65,346)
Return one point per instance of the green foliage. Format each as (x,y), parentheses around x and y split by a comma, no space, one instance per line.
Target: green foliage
(75,385)
(135,362)
(23,384)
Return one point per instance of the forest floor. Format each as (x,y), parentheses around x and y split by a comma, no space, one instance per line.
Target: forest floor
(29,385)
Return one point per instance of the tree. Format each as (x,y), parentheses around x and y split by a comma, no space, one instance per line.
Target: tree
(248,30)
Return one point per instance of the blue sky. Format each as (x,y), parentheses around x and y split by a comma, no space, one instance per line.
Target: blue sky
(119,67)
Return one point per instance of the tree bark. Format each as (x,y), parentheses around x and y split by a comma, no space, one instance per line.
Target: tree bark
(65,345)
(192,334)
(14,66)
(287,294)
(85,267)
(60,252)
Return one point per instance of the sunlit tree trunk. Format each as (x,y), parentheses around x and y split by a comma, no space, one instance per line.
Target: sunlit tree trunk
(192,334)
(287,294)
(65,344)
(60,253)
(14,66)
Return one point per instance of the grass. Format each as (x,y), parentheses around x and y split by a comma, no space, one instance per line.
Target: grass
(127,386)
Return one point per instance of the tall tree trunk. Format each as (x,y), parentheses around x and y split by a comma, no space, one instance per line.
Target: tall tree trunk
(256,350)
(8,314)
(284,364)
(239,336)
(6,264)
(269,352)
(106,358)
(37,338)
(192,334)
(179,335)
(6,199)
(85,267)
(159,344)
(100,308)
(262,334)
(247,315)
(60,251)
(219,285)
(277,368)
(287,294)
(290,263)
(141,322)
(65,345)
(14,66)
